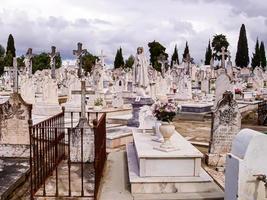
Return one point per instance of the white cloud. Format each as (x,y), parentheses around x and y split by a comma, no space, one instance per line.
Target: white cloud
(107,25)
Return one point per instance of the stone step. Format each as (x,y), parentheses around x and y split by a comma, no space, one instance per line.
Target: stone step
(181,196)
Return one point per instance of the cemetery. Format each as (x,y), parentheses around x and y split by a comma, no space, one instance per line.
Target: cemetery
(149,128)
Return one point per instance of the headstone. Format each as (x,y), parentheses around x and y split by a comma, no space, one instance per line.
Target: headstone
(82,135)
(222,85)
(226,123)
(15,116)
(246,169)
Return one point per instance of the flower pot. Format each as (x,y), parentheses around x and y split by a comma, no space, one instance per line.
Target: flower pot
(166,130)
(98,108)
(158,136)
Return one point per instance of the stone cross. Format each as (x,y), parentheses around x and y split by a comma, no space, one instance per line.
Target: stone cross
(163,61)
(79,53)
(223,54)
(102,58)
(53,56)
(28,61)
(187,60)
(83,94)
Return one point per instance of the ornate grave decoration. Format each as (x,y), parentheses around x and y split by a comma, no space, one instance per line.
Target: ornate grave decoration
(15,117)
(226,123)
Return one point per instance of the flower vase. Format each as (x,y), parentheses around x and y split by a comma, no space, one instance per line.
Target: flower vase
(157,135)
(167,130)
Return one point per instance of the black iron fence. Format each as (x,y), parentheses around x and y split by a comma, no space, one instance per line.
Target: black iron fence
(51,143)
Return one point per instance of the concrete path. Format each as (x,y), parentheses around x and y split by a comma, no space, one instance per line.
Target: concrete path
(115,182)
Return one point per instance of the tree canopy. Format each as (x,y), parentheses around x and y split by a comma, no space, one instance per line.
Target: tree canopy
(129,63)
(256,59)
(175,57)
(42,61)
(262,55)
(119,61)
(218,42)
(156,49)
(208,54)
(11,46)
(88,61)
(242,57)
(186,51)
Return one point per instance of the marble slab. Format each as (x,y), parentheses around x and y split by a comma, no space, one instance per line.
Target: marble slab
(186,161)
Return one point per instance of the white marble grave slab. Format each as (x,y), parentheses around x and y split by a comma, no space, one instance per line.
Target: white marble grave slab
(186,161)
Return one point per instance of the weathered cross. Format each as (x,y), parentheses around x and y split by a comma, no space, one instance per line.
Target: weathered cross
(163,61)
(79,53)
(102,58)
(28,61)
(53,56)
(223,54)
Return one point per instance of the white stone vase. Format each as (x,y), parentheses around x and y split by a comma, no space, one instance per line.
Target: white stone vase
(167,130)
(158,136)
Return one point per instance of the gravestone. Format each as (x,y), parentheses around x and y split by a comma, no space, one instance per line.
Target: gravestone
(246,169)
(222,84)
(15,116)
(226,123)
(82,135)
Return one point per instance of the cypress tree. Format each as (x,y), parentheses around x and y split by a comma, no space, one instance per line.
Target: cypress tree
(262,55)
(11,46)
(118,62)
(242,58)
(175,56)
(256,59)
(208,54)
(156,49)
(186,51)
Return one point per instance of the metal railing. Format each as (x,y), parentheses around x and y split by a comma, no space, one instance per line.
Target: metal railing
(47,150)
(51,143)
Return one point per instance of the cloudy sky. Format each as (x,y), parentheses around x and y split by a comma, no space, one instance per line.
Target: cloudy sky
(108,24)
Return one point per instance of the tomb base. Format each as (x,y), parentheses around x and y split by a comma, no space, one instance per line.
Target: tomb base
(215,160)
(137,103)
(176,173)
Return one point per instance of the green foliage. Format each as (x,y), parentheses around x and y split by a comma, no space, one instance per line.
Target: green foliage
(218,42)
(256,59)
(262,55)
(11,46)
(119,61)
(208,54)
(2,51)
(8,59)
(42,61)
(129,63)
(186,51)
(156,49)
(175,56)
(242,58)
(88,61)
(2,65)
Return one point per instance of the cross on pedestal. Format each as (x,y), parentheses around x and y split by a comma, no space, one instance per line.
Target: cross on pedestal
(163,61)
(79,53)
(223,54)
(102,58)
(13,71)
(83,94)
(28,61)
(53,56)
